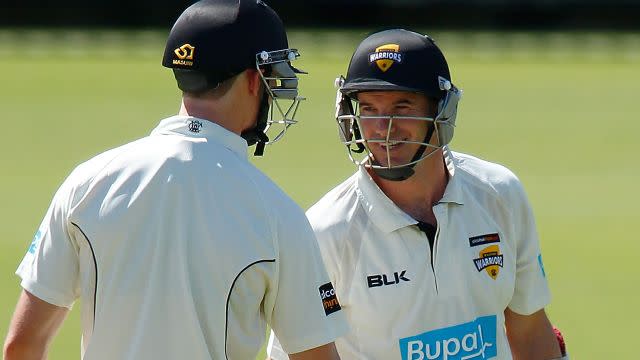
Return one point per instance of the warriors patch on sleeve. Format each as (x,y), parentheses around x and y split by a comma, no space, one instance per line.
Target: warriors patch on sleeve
(329,299)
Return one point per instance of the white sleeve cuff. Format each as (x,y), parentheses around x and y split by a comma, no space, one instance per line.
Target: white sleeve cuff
(45,294)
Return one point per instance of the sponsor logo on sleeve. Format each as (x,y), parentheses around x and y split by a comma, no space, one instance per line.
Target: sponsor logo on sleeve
(473,340)
(329,299)
(484,239)
(490,260)
(385,56)
(544,274)
(35,243)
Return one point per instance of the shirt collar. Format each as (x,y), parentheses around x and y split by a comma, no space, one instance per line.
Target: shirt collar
(194,127)
(385,214)
(453,190)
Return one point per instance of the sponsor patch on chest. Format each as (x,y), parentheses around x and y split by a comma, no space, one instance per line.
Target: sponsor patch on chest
(472,340)
(484,239)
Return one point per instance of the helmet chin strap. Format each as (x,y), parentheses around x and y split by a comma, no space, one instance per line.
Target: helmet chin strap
(256,134)
(404,172)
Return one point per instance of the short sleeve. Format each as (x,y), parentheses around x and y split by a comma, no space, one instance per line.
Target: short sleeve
(50,268)
(274,349)
(305,312)
(531,292)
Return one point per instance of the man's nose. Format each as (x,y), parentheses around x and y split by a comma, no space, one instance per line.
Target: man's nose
(384,124)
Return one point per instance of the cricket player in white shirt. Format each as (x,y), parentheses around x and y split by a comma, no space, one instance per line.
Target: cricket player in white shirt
(177,245)
(433,253)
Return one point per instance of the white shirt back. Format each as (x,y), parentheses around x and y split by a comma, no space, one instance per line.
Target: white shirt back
(180,249)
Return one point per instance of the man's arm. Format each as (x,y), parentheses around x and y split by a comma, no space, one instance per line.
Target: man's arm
(33,326)
(531,336)
(324,352)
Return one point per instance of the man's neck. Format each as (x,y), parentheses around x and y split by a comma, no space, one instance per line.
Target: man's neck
(235,110)
(207,111)
(417,195)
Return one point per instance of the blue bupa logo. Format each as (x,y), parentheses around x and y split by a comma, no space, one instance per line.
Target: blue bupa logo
(473,340)
(35,242)
(544,274)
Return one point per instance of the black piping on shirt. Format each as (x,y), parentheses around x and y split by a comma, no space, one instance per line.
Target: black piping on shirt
(226,320)
(95,266)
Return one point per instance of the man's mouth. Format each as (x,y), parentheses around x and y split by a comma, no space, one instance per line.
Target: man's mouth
(391,144)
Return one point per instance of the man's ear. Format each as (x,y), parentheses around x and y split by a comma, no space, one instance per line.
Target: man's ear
(253,81)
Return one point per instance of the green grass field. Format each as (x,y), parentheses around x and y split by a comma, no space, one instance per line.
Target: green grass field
(559,109)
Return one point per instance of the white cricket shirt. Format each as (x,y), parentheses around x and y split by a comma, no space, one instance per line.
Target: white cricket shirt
(404,303)
(181,249)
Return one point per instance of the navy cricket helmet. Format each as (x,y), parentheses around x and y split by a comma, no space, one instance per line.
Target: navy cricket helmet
(214,40)
(396,60)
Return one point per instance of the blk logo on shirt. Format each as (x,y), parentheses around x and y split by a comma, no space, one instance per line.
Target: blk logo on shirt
(384,279)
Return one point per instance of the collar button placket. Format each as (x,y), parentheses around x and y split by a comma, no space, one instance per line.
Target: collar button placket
(439,211)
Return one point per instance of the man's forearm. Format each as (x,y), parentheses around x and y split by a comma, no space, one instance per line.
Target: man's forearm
(531,337)
(15,349)
(33,326)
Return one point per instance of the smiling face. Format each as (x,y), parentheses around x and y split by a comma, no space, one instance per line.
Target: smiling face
(395,141)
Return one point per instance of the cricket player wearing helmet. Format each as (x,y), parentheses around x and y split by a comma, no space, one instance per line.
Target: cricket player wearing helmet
(178,246)
(433,253)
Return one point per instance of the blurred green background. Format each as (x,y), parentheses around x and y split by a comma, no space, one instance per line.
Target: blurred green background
(558,108)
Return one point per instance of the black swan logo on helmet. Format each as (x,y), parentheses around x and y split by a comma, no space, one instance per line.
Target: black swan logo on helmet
(395,60)
(214,40)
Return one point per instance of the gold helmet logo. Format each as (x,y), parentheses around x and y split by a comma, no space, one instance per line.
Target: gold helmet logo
(385,56)
(184,54)
(490,260)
